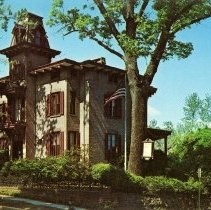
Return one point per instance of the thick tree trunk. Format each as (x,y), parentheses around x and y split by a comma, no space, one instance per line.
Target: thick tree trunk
(138,129)
(138,113)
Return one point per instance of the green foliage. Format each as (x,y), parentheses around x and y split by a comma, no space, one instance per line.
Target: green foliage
(56,170)
(162,184)
(119,180)
(197,112)
(190,152)
(49,170)
(5,15)
(11,191)
(116,178)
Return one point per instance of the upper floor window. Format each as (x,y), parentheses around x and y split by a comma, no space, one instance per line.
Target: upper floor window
(55,104)
(72,102)
(112,147)
(55,144)
(113,109)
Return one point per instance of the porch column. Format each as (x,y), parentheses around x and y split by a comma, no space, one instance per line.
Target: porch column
(165,145)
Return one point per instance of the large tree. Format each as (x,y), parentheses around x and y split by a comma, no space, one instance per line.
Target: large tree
(134,29)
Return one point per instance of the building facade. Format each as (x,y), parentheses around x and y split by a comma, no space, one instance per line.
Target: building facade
(49,107)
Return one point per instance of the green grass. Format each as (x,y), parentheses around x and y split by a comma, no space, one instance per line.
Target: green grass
(11,191)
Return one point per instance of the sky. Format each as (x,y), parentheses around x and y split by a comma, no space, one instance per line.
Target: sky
(175,79)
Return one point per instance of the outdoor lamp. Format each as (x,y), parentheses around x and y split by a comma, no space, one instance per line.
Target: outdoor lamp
(148,149)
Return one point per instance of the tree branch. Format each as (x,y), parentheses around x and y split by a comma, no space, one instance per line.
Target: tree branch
(182,26)
(100,43)
(186,9)
(108,48)
(130,19)
(143,7)
(157,55)
(108,19)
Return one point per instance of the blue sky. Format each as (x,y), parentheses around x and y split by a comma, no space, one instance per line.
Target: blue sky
(175,79)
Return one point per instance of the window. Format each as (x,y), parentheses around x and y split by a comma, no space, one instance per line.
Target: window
(113,109)
(18,103)
(72,103)
(112,147)
(55,144)
(55,104)
(73,140)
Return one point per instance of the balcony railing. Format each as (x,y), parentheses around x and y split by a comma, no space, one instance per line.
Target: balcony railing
(11,121)
(13,88)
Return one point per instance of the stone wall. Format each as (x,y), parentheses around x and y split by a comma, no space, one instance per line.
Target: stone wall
(105,199)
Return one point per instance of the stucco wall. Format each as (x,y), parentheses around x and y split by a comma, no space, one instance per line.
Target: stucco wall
(44,123)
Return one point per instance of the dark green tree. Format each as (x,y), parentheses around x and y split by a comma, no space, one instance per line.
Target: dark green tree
(134,29)
(197,112)
(191,111)
(191,152)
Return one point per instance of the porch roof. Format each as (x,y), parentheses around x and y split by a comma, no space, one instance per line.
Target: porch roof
(156,134)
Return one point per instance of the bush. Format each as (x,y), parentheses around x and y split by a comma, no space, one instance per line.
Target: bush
(116,178)
(119,180)
(48,170)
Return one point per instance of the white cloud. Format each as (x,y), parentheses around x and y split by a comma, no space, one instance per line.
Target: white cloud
(153,112)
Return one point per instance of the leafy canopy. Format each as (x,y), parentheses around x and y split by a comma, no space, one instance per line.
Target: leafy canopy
(152,19)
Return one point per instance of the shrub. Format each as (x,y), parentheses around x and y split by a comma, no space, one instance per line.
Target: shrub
(48,170)
(119,180)
(164,184)
(116,178)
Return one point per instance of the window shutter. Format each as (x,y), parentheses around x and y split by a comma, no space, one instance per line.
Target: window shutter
(48,107)
(48,144)
(61,143)
(106,147)
(78,140)
(61,103)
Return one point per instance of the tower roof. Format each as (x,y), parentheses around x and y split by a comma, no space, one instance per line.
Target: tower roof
(29,33)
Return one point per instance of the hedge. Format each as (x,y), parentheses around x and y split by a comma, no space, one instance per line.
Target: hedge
(68,169)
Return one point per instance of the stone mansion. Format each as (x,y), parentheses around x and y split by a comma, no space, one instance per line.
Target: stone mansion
(49,107)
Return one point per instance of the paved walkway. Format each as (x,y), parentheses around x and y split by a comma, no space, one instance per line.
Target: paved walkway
(38,203)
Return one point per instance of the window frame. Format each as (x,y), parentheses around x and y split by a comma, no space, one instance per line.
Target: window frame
(55,143)
(55,108)
(113,109)
(76,141)
(112,153)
